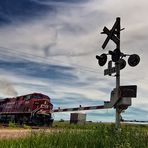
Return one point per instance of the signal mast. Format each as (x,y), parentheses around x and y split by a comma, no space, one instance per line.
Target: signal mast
(121,95)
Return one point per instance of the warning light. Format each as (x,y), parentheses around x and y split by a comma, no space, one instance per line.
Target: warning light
(133,60)
(102,59)
(115,55)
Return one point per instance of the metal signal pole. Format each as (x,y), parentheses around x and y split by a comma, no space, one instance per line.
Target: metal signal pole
(117,65)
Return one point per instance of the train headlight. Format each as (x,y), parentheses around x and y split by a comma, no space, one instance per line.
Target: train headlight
(44,106)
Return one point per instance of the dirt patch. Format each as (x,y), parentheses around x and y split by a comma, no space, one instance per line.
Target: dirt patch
(14,133)
(6,133)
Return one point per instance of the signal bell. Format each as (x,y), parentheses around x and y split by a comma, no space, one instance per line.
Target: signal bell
(102,59)
(133,60)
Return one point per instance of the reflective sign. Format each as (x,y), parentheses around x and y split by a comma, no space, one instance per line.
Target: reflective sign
(110,71)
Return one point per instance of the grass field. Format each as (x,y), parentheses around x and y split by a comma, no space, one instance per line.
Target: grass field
(83,136)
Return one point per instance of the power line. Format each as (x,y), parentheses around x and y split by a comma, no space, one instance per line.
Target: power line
(30,57)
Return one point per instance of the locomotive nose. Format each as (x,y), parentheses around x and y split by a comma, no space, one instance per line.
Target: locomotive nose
(45,104)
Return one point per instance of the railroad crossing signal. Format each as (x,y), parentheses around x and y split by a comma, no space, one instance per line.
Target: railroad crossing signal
(121,95)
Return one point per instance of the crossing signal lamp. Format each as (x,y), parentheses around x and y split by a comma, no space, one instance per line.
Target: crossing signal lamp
(133,60)
(115,55)
(102,59)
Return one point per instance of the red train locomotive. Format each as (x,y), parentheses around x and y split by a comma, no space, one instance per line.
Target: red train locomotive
(31,109)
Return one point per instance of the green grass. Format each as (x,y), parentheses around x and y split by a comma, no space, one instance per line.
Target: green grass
(11,125)
(87,136)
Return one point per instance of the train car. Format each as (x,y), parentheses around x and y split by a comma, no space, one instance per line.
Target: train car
(31,109)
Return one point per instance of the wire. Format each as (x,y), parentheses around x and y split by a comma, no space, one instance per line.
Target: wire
(30,57)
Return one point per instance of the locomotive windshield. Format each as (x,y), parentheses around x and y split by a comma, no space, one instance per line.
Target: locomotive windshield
(35,96)
(27,97)
(39,96)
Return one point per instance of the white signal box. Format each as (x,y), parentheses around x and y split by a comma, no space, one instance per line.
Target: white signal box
(121,99)
(124,102)
(113,99)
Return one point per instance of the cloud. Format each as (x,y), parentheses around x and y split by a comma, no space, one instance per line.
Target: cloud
(39,70)
(12,12)
(136,114)
(6,87)
(75,99)
(60,3)
(51,36)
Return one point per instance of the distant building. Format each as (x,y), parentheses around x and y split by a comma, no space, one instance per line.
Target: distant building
(77,118)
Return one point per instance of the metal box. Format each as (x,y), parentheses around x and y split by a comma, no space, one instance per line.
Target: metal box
(77,118)
(128,91)
(125,101)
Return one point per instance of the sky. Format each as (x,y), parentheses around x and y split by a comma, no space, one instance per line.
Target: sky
(49,46)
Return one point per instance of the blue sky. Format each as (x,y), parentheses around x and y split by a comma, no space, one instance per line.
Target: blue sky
(49,46)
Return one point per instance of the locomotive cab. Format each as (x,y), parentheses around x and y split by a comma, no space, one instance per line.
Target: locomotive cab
(42,110)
